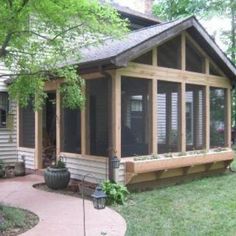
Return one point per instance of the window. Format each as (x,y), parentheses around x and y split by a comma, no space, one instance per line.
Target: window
(146,58)
(218,114)
(4,108)
(195,61)
(195,117)
(27,127)
(135,117)
(168,54)
(168,113)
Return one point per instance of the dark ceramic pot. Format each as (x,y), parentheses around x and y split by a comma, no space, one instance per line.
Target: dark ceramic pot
(56,178)
(19,168)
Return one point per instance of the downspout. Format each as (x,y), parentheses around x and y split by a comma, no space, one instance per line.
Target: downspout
(111,173)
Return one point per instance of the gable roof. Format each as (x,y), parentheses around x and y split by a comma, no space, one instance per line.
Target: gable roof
(119,52)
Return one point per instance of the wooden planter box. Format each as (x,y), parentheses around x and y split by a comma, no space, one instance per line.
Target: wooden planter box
(146,166)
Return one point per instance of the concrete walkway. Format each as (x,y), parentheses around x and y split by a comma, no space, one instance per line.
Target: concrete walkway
(59,215)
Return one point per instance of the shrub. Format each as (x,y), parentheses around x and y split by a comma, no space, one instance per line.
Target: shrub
(116,193)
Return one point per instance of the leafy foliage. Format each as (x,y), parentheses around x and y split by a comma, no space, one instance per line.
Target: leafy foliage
(116,193)
(41,39)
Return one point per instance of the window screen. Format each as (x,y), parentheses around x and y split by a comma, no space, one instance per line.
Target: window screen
(169,54)
(195,117)
(218,116)
(27,127)
(168,113)
(135,117)
(214,70)
(71,134)
(4,107)
(195,61)
(146,58)
(97,98)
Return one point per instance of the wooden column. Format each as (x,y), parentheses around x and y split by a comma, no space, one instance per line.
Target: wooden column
(154,56)
(183,51)
(18,132)
(183,117)
(116,113)
(58,123)
(153,114)
(38,140)
(228,122)
(84,126)
(207,117)
(207,66)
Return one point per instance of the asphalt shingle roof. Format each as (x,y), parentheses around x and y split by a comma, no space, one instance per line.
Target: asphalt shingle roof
(113,47)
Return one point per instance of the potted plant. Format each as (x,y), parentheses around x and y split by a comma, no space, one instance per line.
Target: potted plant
(57,176)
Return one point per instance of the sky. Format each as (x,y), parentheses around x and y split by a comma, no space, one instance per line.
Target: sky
(213,26)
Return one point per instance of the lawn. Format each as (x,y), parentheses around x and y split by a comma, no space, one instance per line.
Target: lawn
(202,207)
(14,220)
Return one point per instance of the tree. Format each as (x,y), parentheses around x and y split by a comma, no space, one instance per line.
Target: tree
(171,9)
(38,39)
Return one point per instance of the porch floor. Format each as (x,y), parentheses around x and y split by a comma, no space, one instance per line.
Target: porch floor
(59,214)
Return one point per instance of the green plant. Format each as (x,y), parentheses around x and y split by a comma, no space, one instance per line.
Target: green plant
(60,164)
(116,193)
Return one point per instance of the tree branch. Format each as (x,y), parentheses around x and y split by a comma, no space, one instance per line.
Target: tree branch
(3,50)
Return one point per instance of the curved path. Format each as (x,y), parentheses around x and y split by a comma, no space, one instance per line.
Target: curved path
(59,215)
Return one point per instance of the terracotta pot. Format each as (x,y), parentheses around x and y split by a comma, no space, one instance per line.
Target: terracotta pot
(56,178)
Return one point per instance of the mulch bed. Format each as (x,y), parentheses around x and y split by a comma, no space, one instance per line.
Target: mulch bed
(74,189)
(30,221)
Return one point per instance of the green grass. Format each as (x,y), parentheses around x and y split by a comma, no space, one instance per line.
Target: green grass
(14,220)
(202,207)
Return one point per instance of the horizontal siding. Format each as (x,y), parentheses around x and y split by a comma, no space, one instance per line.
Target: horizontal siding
(3,70)
(8,146)
(121,174)
(28,156)
(79,167)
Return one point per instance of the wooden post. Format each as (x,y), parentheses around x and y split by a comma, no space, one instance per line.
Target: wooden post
(58,123)
(183,51)
(18,132)
(38,140)
(207,117)
(116,113)
(183,117)
(228,123)
(153,113)
(207,66)
(154,56)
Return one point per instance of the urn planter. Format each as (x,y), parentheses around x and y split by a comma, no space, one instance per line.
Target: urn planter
(56,178)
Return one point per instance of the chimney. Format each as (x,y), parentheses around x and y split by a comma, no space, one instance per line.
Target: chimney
(148,7)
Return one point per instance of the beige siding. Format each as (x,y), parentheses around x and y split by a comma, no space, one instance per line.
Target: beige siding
(97,170)
(8,147)
(28,154)
(121,174)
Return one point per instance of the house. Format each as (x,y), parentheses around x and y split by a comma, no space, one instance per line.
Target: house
(158,99)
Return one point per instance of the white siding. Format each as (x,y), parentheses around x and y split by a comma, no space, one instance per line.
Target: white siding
(28,154)
(3,70)
(96,169)
(8,147)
